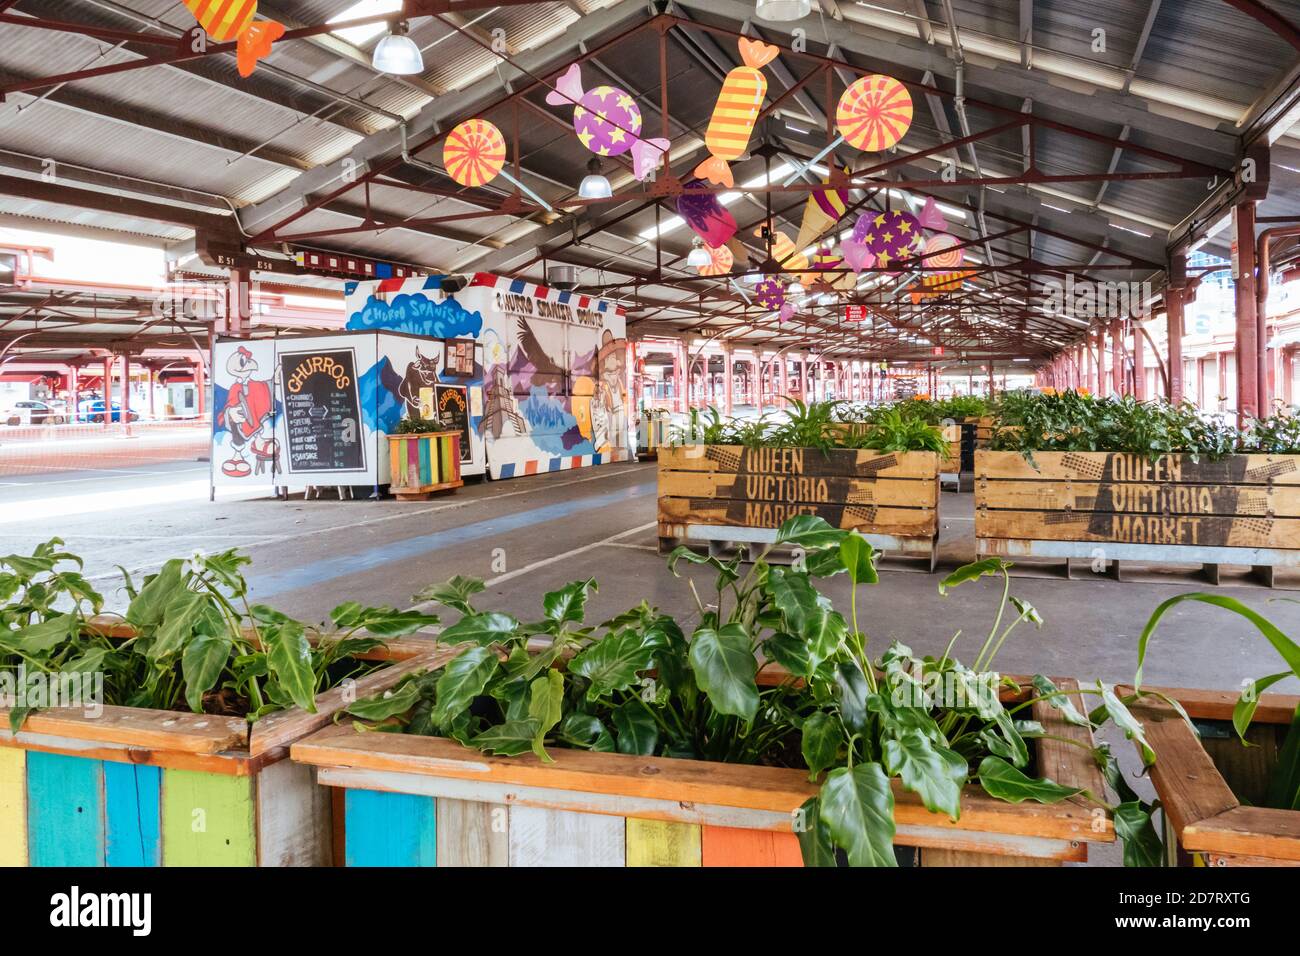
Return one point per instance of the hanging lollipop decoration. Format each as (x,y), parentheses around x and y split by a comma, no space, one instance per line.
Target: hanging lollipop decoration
(707,217)
(223,22)
(736,111)
(873,115)
(943,252)
(720,261)
(608,122)
(474,154)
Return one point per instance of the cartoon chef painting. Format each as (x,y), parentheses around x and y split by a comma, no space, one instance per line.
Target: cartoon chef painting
(249,416)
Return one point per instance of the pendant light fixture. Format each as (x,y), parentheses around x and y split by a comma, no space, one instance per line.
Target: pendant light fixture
(782,11)
(397,53)
(594,185)
(699,256)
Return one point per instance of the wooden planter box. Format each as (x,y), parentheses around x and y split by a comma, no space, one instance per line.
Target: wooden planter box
(1210,785)
(422,463)
(140,787)
(428,801)
(1242,509)
(737,495)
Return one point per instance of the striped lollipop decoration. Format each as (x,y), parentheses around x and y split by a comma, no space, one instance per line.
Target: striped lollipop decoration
(943,252)
(474,154)
(721,260)
(873,115)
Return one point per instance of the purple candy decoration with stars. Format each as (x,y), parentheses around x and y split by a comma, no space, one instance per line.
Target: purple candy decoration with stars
(888,236)
(607,121)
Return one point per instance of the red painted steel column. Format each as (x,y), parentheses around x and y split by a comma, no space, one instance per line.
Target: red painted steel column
(108,390)
(1248,344)
(1117,356)
(727,386)
(1139,366)
(126,391)
(1174,299)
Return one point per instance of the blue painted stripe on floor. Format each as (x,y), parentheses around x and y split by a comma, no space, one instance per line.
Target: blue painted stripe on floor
(356,562)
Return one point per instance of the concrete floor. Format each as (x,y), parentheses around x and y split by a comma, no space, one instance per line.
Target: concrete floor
(530,535)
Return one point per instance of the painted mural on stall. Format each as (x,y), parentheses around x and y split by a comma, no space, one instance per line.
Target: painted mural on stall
(246,406)
(556,383)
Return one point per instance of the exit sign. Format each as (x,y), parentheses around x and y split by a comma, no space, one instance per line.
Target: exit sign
(855,313)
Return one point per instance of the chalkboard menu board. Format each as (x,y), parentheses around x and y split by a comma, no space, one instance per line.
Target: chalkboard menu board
(322,411)
(453,408)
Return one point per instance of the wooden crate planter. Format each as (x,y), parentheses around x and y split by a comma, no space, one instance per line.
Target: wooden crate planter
(424,463)
(737,495)
(140,787)
(1210,785)
(428,801)
(1242,509)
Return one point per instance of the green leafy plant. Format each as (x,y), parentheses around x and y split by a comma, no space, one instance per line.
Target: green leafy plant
(198,643)
(1284,787)
(772,674)
(415,425)
(820,425)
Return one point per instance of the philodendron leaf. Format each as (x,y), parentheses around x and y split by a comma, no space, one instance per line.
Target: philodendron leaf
(179,617)
(821,741)
(462,680)
(388,704)
(1142,844)
(202,662)
(546,706)
(1114,708)
(1060,701)
(725,669)
(636,729)
(815,842)
(569,603)
(44,636)
(509,739)
(487,628)
(1004,782)
(727,571)
(146,609)
(1244,710)
(969,572)
(585,730)
(809,532)
(857,807)
(288,655)
(614,662)
(390,622)
(857,553)
(935,774)
(454,593)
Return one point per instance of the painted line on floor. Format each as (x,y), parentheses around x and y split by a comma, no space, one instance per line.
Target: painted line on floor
(553,559)
(369,559)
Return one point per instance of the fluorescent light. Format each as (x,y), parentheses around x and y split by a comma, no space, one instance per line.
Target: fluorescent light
(360,36)
(668,225)
(952,210)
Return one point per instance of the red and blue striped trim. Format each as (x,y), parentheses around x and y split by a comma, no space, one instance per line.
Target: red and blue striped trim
(539,466)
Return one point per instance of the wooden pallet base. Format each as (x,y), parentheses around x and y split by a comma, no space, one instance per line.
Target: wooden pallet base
(723,541)
(1131,562)
(426,492)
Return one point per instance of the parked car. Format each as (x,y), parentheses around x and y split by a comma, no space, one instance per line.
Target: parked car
(92,410)
(34,413)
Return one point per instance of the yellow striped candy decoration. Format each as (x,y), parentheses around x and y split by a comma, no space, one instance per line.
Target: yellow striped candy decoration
(223,20)
(874,113)
(787,253)
(474,153)
(736,111)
